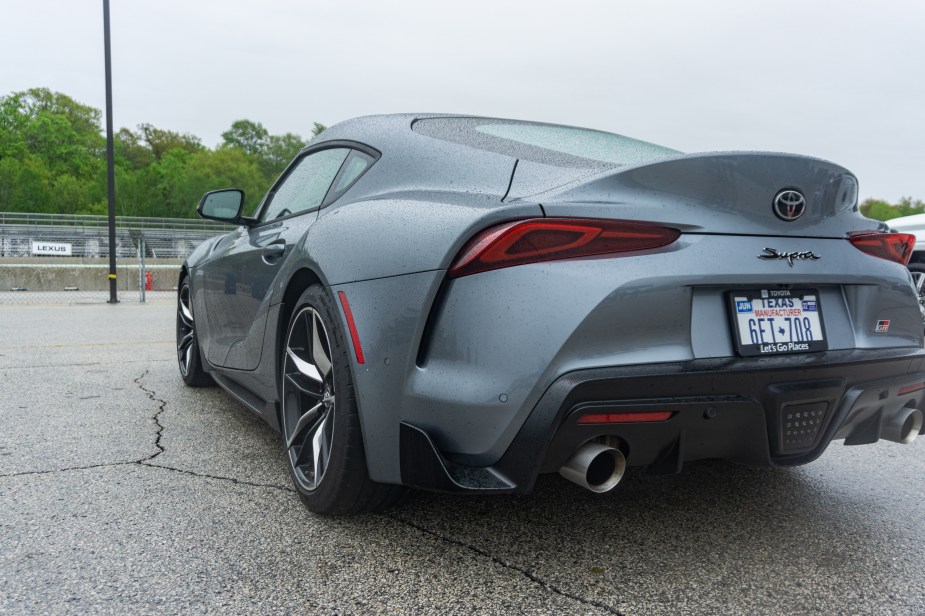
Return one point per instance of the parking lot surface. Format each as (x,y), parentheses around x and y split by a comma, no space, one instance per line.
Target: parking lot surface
(122,491)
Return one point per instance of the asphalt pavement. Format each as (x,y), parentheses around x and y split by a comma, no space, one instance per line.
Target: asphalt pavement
(122,491)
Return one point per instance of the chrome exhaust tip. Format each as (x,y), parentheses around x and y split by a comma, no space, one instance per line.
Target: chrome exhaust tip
(594,466)
(903,427)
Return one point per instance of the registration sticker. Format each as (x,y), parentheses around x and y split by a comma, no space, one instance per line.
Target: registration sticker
(777,321)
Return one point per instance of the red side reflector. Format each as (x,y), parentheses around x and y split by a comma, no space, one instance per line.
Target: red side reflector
(602,418)
(896,247)
(908,389)
(352,326)
(549,239)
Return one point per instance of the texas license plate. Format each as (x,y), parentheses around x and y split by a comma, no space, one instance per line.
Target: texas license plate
(777,321)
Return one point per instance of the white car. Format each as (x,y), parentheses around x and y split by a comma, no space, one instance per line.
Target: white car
(915,225)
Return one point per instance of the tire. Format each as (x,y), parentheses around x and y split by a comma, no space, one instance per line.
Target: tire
(319,419)
(188,357)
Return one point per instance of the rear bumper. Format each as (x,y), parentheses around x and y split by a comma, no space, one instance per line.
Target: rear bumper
(766,411)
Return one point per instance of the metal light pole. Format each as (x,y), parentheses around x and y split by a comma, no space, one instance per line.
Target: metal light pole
(110,162)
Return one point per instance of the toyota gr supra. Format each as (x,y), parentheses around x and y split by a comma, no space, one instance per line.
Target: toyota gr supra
(461,304)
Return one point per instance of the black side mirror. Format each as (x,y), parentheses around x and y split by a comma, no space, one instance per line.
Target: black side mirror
(224,205)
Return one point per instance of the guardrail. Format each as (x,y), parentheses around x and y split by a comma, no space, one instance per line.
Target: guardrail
(128,223)
(47,258)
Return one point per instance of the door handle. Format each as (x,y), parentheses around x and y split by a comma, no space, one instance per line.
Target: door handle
(274,251)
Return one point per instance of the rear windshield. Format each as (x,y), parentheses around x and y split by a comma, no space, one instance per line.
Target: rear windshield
(563,146)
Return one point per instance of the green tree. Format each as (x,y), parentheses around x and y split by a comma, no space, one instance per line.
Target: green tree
(271,152)
(318,128)
(250,137)
(52,159)
(170,171)
(13,120)
(132,149)
(161,141)
(9,180)
(908,206)
(31,190)
(52,138)
(85,120)
(281,149)
(879,209)
(224,168)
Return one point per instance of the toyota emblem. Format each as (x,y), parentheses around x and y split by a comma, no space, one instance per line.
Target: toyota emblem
(789,205)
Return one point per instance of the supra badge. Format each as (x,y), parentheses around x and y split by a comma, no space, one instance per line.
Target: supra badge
(799,255)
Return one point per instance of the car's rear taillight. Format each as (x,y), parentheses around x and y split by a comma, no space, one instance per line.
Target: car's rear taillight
(890,246)
(548,239)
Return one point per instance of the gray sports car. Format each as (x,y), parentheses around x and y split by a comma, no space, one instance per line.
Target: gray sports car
(461,303)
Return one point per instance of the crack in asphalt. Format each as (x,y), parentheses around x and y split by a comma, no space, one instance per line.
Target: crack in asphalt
(149,460)
(69,468)
(183,471)
(146,463)
(503,563)
(421,529)
(162,405)
(149,463)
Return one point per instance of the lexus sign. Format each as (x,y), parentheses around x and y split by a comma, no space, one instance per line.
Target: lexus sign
(51,248)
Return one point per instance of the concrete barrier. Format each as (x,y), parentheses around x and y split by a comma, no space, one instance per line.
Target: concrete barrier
(86,274)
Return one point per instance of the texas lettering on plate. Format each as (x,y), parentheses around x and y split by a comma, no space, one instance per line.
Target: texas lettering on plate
(777,321)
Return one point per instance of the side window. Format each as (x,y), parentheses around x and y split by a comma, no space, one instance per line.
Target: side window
(304,187)
(357,163)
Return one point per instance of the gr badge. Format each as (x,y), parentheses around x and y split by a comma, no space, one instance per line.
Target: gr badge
(883,327)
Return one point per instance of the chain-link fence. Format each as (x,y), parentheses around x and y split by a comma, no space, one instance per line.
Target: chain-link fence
(65,259)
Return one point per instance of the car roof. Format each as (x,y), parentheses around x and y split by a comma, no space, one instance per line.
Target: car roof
(536,156)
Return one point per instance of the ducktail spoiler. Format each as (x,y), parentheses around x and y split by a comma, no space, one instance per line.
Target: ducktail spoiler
(752,193)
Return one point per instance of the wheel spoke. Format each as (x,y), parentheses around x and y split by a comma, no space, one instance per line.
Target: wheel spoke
(186,312)
(319,457)
(304,421)
(185,315)
(295,379)
(306,453)
(304,367)
(919,279)
(185,332)
(322,361)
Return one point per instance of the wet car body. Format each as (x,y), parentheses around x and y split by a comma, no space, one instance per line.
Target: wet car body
(481,356)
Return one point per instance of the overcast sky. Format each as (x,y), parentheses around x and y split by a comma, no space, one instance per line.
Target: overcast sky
(839,80)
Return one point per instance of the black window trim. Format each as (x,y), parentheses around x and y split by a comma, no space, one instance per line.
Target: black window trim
(325,145)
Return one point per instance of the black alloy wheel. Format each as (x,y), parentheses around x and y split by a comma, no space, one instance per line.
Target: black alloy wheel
(188,356)
(319,419)
(309,398)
